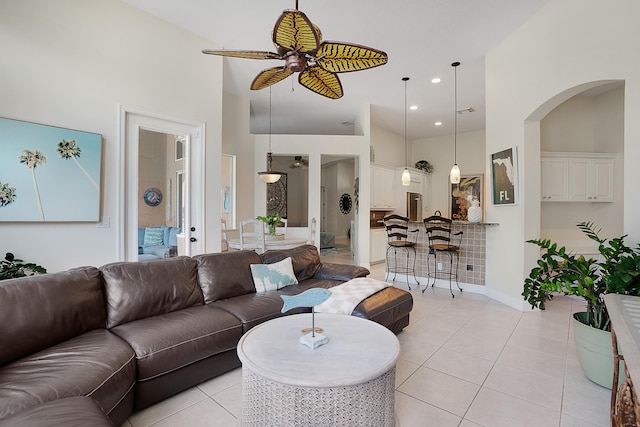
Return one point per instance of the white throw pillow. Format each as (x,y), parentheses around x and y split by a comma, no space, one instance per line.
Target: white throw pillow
(271,277)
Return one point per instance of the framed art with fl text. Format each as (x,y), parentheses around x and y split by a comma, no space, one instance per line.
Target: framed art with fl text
(504,172)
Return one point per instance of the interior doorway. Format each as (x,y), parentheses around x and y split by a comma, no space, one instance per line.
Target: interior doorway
(188,206)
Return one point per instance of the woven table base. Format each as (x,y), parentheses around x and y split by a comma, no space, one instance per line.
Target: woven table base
(266,402)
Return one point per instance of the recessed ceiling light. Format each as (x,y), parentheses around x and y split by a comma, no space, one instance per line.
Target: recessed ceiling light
(436,80)
(413,107)
(438,123)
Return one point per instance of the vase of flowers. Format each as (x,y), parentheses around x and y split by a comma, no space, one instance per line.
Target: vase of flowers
(272,221)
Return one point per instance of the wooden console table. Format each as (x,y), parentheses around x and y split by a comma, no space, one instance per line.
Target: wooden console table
(624,311)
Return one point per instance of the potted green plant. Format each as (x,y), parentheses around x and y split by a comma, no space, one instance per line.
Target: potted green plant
(11,267)
(560,271)
(272,221)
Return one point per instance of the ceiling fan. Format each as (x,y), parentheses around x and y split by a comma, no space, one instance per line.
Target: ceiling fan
(299,43)
(299,162)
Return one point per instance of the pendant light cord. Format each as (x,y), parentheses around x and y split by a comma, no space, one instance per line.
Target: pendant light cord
(455,112)
(406,158)
(269,153)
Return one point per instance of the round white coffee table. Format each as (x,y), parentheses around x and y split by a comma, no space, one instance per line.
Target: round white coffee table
(350,381)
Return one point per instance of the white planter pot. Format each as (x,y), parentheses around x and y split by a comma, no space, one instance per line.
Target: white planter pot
(595,352)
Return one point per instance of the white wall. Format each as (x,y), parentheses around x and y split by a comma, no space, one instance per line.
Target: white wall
(236,139)
(438,151)
(71,63)
(388,147)
(559,52)
(585,124)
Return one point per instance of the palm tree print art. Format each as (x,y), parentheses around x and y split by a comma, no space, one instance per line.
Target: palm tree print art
(33,158)
(7,194)
(69,150)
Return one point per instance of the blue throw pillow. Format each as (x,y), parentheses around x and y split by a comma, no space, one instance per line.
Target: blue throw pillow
(173,236)
(153,236)
(270,277)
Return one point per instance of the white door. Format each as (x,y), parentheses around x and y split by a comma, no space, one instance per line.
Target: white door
(132,121)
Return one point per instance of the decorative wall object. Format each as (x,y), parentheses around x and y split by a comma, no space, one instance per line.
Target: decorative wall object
(277,196)
(48,173)
(153,197)
(425,166)
(471,187)
(356,193)
(504,172)
(345,203)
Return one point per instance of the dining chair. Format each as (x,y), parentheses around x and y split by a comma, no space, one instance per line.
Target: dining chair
(441,241)
(283,221)
(252,235)
(312,231)
(224,243)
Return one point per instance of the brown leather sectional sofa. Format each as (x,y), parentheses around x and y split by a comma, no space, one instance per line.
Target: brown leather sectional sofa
(131,334)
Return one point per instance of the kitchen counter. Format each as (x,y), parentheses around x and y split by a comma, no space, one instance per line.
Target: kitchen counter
(471,268)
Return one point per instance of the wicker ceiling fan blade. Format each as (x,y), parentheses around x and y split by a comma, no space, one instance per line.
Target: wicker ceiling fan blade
(340,57)
(322,82)
(249,54)
(294,31)
(269,77)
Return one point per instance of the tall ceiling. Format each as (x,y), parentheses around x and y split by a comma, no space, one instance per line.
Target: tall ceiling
(421,37)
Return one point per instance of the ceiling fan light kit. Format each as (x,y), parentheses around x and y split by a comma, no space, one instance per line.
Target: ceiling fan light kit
(454,175)
(269,176)
(299,43)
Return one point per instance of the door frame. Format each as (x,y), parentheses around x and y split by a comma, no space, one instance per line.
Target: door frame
(131,121)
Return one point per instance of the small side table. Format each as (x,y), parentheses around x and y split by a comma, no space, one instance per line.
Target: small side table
(350,381)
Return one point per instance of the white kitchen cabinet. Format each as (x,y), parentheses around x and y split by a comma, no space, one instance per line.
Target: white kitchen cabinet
(381,188)
(591,180)
(555,179)
(577,177)
(377,245)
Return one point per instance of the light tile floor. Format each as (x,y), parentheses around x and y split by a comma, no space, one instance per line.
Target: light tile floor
(467,361)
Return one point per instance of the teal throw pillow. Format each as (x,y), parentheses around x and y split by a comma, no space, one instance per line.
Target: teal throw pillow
(271,277)
(153,236)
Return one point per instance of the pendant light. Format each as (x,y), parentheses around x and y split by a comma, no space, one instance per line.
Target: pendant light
(406,176)
(454,175)
(269,176)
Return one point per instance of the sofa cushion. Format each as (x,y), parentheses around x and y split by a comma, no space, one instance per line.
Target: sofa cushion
(253,309)
(153,236)
(271,277)
(305,260)
(226,275)
(69,412)
(386,307)
(37,312)
(170,341)
(137,290)
(96,364)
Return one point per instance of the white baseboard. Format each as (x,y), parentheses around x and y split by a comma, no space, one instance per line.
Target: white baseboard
(508,300)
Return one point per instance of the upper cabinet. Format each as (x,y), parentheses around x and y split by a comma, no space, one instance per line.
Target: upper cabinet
(555,179)
(577,177)
(381,187)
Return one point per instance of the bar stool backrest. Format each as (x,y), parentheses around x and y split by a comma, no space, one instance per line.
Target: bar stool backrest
(439,232)
(397,228)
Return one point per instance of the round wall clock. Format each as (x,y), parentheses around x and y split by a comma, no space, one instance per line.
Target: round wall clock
(153,197)
(345,203)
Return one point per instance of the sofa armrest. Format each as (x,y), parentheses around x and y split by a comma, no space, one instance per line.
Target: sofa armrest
(344,272)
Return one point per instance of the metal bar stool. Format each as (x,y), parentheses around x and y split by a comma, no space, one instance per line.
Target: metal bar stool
(440,241)
(398,238)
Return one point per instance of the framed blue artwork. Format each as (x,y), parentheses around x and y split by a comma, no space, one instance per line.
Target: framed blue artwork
(48,173)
